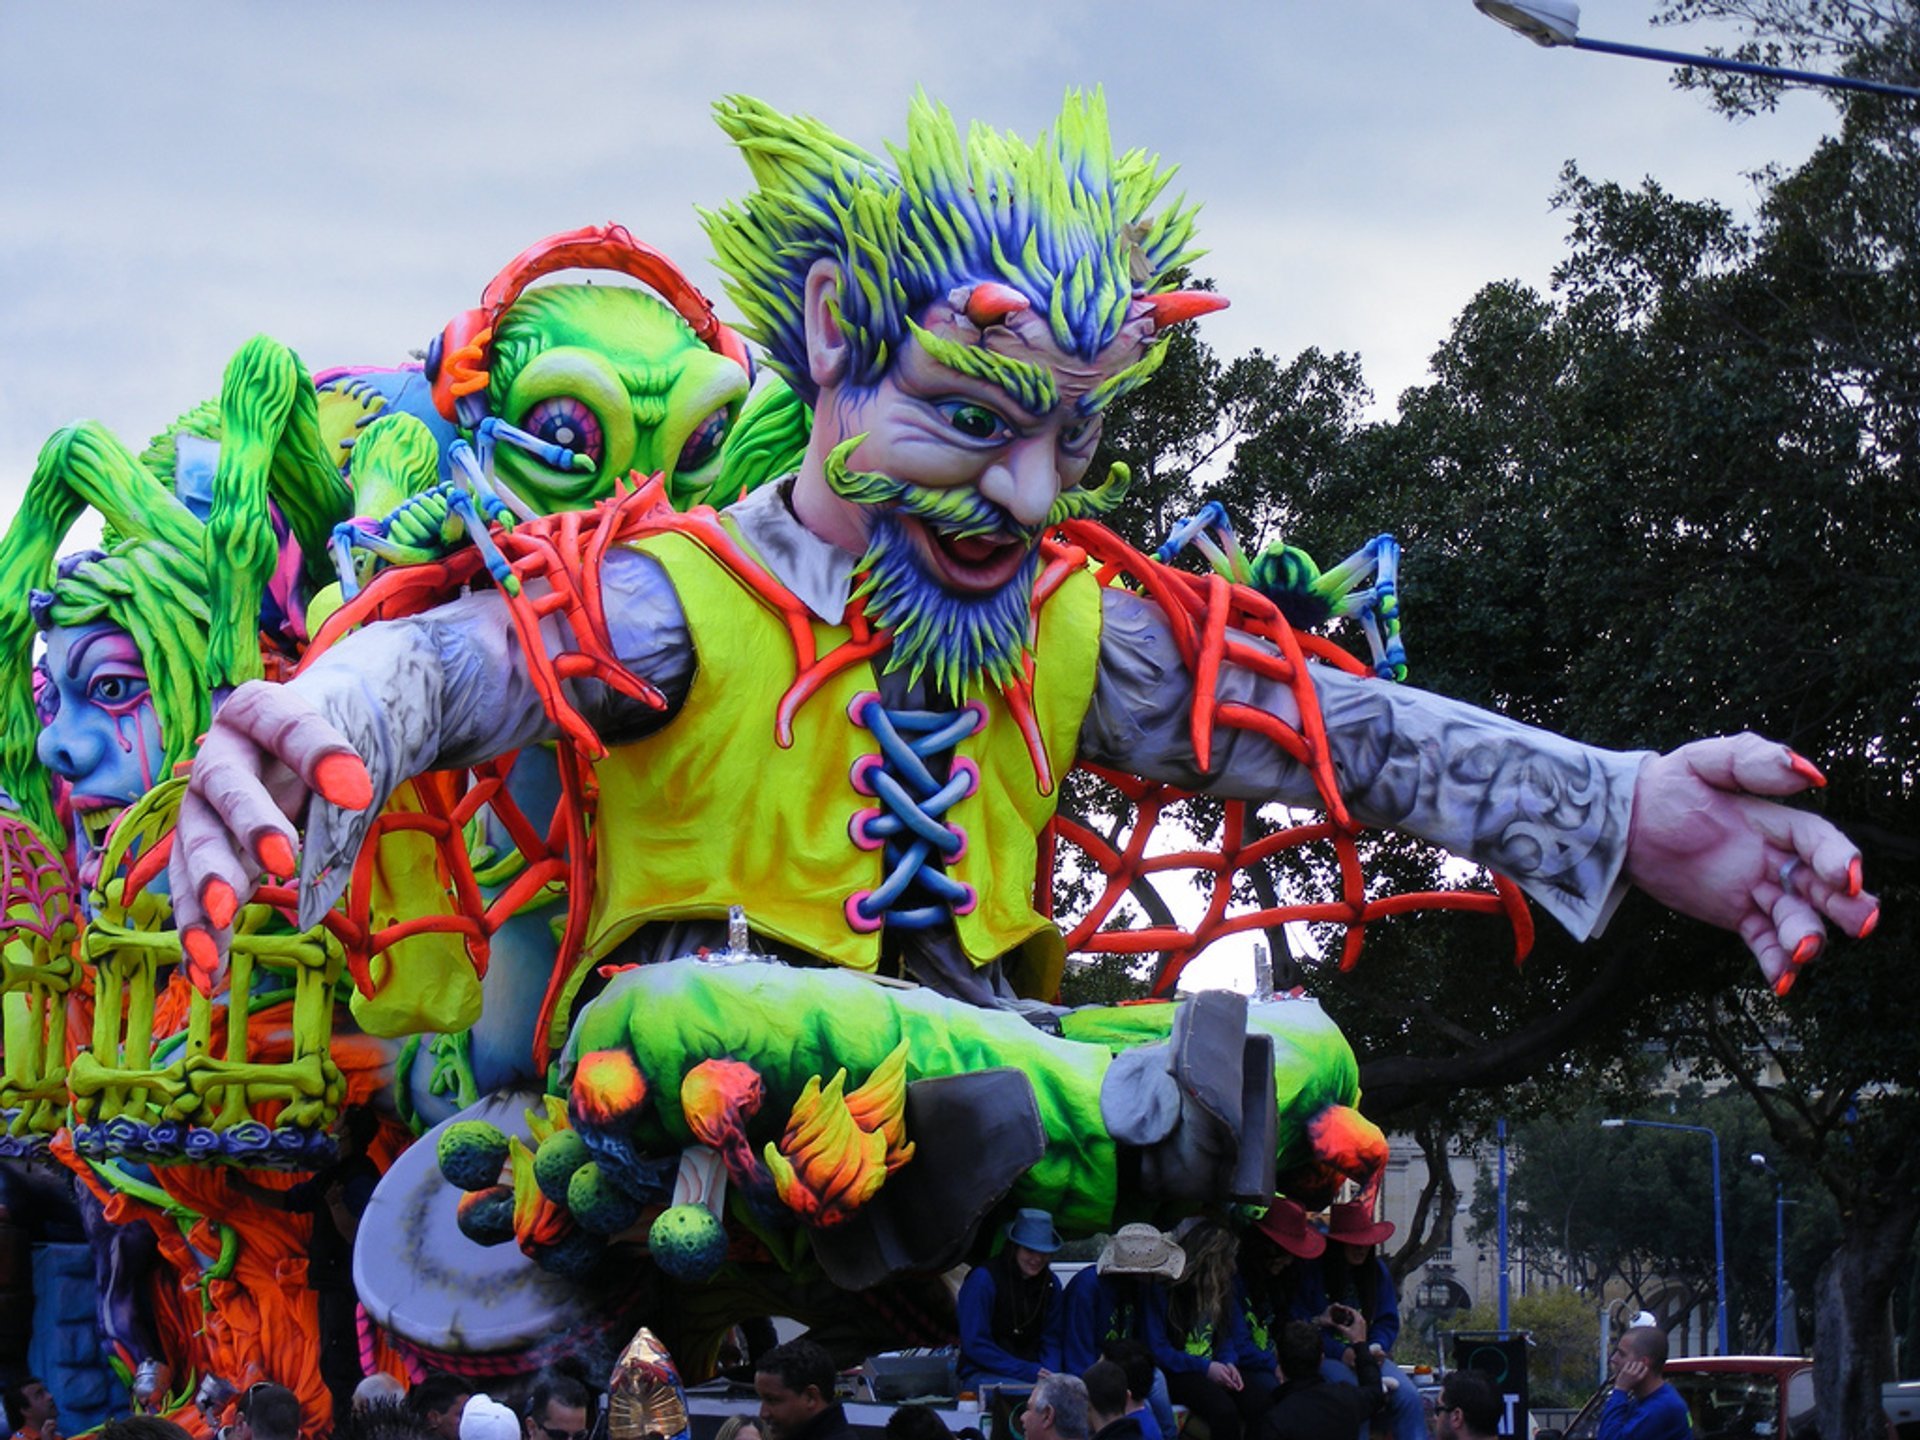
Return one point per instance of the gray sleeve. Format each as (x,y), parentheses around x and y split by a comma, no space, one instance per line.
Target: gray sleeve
(1547,812)
(450,687)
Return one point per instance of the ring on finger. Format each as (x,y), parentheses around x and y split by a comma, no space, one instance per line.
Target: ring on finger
(1786,873)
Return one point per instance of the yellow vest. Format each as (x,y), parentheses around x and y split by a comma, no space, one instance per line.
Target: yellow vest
(710,811)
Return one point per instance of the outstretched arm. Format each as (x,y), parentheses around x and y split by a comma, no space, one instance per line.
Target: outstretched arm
(1572,824)
(446,688)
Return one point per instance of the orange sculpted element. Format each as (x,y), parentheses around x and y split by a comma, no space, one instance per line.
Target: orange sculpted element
(607,1087)
(839,1149)
(536,1219)
(717,1097)
(1349,1145)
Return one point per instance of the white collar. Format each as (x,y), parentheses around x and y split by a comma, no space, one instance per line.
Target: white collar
(819,572)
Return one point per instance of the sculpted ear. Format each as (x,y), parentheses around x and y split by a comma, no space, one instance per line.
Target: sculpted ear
(828,353)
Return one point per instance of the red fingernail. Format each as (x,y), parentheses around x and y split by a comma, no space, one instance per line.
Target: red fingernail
(219,899)
(342,780)
(1866,927)
(203,958)
(276,856)
(1808,947)
(1806,769)
(1853,877)
(1784,983)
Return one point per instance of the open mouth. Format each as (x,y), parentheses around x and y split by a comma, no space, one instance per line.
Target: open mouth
(974,562)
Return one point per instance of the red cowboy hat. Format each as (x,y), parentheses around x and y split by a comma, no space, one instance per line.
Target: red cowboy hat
(1353,1224)
(1285,1224)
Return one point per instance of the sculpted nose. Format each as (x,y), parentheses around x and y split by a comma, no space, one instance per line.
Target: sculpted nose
(69,754)
(1026,482)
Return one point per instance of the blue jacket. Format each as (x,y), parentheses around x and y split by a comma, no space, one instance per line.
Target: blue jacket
(980,1352)
(1663,1415)
(1383,1320)
(1236,1347)
(1099,1309)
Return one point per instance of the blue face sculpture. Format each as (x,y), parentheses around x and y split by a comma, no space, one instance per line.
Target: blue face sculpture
(100,737)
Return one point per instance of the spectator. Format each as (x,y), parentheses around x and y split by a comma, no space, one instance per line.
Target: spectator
(272,1412)
(144,1427)
(1109,1415)
(1355,1274)
(738,1427)
(485,1418)
(795,1384)
(1143,1376)
(557,1409)
(379,1389)
(1009,1308)
(388,1420)
(1108,1301)
(1643,1406)
(1056,1410)
(1277,1271)
(1469,1407)
(916,1422)
(32,1412)
(1200,1337)
(1308,1406)
(335,1197)
(438,1401)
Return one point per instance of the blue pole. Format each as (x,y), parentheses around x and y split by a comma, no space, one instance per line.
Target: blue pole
(1719,1244)
(1779,1267)
(1501,1130)
(1745,67)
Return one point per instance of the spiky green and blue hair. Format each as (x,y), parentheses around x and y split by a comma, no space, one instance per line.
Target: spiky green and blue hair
(1063,220)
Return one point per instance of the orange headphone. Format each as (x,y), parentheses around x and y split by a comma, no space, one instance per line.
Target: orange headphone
(458,359)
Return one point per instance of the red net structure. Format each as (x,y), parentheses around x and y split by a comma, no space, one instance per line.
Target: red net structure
(1216,625)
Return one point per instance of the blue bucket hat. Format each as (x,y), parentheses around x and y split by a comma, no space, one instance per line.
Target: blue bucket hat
(1033,1230)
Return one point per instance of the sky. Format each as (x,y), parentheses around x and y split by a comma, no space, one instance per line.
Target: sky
(177,177)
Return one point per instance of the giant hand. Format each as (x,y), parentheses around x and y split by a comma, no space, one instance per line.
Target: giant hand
(1702,843)
(267,753)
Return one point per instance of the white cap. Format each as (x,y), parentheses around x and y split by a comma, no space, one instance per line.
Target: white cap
(487,1419)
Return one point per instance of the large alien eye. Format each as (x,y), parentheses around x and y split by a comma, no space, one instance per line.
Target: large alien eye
(705,441)
(563,420)
(117,691)
(976,422)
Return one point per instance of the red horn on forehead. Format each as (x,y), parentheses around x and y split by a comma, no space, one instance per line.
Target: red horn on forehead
(990,303)
(1176,307)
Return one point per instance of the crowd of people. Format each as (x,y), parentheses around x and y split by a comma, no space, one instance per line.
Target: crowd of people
(1286,1329)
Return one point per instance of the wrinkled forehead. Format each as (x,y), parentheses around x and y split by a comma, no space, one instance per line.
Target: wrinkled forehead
(1033,368)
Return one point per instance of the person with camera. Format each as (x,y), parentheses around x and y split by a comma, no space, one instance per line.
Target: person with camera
(1354,1275)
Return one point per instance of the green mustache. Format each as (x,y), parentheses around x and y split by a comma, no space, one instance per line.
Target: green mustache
(962,511)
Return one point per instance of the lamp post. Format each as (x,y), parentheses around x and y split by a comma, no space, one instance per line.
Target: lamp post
(1719,1231)
(1556,23)
(1759,1162)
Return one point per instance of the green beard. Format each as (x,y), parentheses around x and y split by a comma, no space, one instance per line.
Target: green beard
(952,639)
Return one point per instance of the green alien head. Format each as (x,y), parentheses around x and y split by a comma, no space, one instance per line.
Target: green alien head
(616,377)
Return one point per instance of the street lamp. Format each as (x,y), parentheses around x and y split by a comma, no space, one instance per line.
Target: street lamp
(1719,1232)
(1556,23)
(1759,1162)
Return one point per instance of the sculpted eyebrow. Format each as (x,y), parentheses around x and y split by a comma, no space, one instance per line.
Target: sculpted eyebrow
(1029,386)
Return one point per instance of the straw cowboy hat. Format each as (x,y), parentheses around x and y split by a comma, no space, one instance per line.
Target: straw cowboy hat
(1143,1251)
(1285,1224)
(1353,1224)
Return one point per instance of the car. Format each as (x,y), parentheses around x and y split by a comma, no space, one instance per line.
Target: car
(1731,1397)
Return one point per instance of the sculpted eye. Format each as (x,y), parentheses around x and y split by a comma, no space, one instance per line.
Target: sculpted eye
(117,691)
(563,420)
(976,422)
(705,441)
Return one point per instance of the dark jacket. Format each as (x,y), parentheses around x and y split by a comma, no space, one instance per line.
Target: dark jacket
(829,1424)
(1127,1427)
(1316,1409)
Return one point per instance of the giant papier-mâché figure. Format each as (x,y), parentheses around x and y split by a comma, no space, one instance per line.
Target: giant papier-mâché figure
(864,682)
